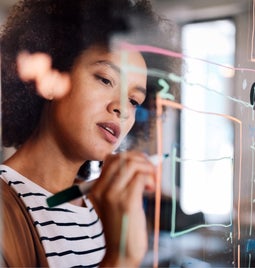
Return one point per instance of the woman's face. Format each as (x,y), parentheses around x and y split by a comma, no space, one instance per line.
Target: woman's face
(99,111)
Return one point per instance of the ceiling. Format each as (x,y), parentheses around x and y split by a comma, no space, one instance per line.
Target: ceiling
(189,10)
(183,10)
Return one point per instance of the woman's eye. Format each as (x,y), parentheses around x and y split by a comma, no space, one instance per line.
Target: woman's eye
(134,102)
(104,80)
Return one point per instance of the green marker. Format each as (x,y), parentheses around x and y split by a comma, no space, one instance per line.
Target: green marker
(83,188)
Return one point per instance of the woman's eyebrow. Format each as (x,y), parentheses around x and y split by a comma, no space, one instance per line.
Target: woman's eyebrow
(118,70)
(108,64)
(142,90)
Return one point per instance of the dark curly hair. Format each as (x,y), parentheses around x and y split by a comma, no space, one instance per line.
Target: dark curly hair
(62,29)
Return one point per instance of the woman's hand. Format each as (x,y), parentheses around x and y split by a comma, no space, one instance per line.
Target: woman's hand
(118,199)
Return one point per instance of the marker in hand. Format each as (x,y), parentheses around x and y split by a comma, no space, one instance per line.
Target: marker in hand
(83,188)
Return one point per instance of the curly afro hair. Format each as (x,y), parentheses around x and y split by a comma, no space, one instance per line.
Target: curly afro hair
(63,29)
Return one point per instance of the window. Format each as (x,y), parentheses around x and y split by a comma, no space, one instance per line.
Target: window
(207,140)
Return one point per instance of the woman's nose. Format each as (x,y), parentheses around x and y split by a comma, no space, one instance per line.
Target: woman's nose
(120,109)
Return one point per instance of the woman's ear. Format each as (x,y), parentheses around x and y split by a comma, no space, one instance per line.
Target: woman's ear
(50,83)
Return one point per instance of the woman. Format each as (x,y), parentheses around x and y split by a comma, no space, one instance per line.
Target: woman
(61,106)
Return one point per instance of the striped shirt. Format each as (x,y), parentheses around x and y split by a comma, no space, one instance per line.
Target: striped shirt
(72,236)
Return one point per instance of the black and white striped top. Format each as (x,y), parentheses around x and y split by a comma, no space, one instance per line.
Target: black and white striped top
(72,236)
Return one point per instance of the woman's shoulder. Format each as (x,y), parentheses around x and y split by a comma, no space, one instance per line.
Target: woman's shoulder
(20,244)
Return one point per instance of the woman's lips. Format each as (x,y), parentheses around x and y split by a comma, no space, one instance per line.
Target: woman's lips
(110,131)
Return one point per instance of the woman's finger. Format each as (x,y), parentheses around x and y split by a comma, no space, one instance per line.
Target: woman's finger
(119,170)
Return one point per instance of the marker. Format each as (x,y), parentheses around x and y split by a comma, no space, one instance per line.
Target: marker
(83,188)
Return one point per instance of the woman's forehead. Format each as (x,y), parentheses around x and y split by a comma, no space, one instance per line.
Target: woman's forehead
(117,56)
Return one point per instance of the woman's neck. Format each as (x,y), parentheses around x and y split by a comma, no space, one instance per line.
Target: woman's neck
(44,165)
